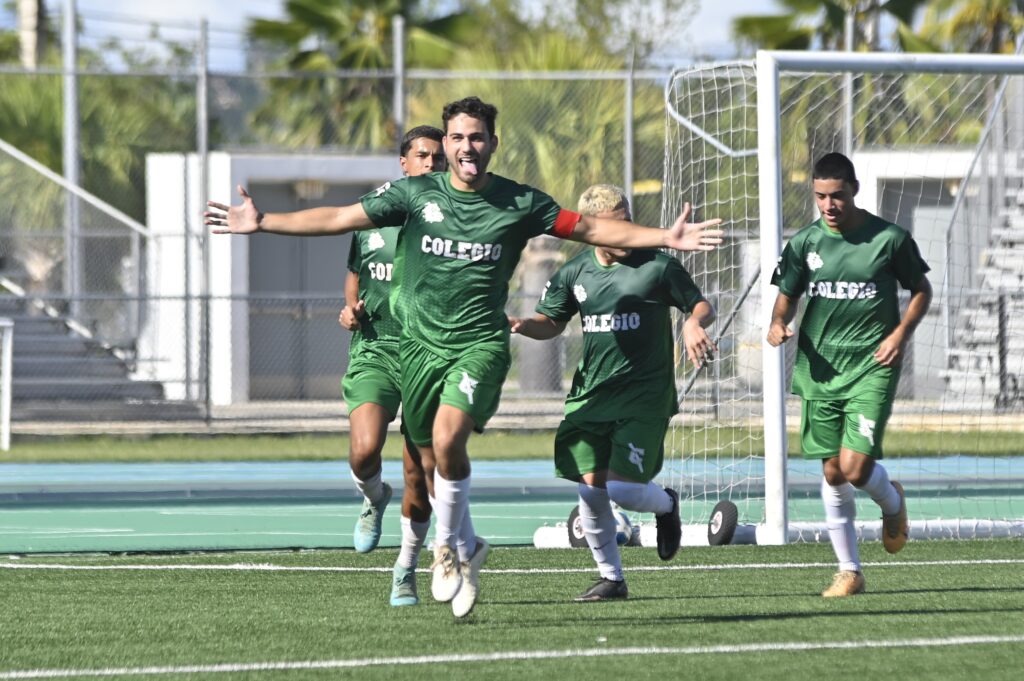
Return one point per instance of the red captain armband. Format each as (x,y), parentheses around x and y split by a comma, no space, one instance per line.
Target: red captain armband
(565,223)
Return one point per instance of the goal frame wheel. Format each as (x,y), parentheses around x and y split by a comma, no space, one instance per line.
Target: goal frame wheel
(574,528)
(723,522)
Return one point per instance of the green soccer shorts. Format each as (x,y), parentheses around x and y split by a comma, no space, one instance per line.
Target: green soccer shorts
(471,382)
(856,423)
(373,377)
(632,448)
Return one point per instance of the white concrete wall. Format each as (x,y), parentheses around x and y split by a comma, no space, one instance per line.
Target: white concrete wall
(171,208)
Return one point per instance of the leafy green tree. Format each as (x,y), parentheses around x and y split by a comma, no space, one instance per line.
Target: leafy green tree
(323,36)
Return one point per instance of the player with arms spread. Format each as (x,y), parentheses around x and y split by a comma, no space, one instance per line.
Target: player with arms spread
(849,263)
(623,394)
(372,387)
(462,235)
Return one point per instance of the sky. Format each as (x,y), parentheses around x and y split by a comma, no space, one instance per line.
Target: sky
(708,33)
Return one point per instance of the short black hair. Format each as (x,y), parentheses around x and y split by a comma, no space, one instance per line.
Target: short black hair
(835,166)
(428,131)
(473,107)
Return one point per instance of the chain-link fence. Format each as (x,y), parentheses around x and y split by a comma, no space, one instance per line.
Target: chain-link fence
(113,284)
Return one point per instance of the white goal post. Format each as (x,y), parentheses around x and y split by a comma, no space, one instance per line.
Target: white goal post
(934,137)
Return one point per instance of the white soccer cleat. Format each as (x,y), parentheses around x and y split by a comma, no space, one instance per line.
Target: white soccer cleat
(465,599)
(446,578)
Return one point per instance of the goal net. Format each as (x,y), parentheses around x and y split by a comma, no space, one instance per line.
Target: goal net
(938,145)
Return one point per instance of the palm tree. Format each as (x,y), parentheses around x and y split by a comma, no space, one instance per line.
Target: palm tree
(809,23)
(991,26)
(323,36)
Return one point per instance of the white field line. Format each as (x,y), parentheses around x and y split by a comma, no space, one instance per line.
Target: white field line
(513,655)
(268,567)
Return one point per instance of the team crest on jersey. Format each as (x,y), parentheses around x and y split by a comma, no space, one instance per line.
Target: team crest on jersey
(432,212)
(814,261)
(383,188)
(375,241)
(579,292)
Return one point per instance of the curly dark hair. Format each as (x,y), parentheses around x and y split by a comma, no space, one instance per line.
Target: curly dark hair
(473,107)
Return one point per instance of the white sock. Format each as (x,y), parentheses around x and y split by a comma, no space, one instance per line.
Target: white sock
(638,496)
(840,512)
(882,491)
(465,544)
(371,488)
(599,527)
(451,504)
(413,536)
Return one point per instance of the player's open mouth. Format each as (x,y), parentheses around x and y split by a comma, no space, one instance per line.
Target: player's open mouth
(469,165)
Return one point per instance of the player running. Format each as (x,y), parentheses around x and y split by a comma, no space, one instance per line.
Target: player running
(851,343)
(611,441)
(462,235)
(372,387)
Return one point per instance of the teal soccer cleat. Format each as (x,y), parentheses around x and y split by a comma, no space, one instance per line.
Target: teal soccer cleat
(367,532)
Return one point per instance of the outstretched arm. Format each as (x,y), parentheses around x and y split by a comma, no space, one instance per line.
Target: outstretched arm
(890,352)
(538,327)
(682,236)
(247,219)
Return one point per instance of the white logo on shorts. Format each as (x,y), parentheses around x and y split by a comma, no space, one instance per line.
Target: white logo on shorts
(375,241)
(636,456)
(867,428)
(814,261)
(432,212)
(468,385)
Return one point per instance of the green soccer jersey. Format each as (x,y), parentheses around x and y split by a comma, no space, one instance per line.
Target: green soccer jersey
(371,257)
(850,281)
(627,369)
(456,253)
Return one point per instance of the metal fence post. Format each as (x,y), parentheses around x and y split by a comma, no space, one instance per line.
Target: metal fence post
(398,57)
(72,247)
(202,160)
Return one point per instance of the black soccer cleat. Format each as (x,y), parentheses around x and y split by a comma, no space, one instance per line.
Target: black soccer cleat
(604,590)
(670,528)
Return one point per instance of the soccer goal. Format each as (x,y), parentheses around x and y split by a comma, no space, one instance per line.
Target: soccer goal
(938,144)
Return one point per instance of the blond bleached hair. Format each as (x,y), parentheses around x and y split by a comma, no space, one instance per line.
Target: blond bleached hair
(602,198)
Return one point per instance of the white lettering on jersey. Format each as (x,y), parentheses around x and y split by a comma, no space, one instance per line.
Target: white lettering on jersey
(460,250)
(602,323)
(432,212)
(636,456)
(381,271)
(544,293)
(383,188)
(579,293)
(814,261)
(468,385)
(867,428)
(375,241)
(842,290)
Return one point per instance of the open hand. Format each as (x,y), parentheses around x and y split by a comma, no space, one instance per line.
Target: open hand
(243,219)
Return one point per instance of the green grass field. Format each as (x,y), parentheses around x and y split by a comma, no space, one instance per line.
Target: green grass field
(492,445)
(939,610)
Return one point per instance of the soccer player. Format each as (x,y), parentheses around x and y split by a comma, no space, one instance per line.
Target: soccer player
(462,235)
(851,342)
(611,441)
(371,385)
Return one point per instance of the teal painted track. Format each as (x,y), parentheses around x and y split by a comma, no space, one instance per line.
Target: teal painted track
(55,508)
